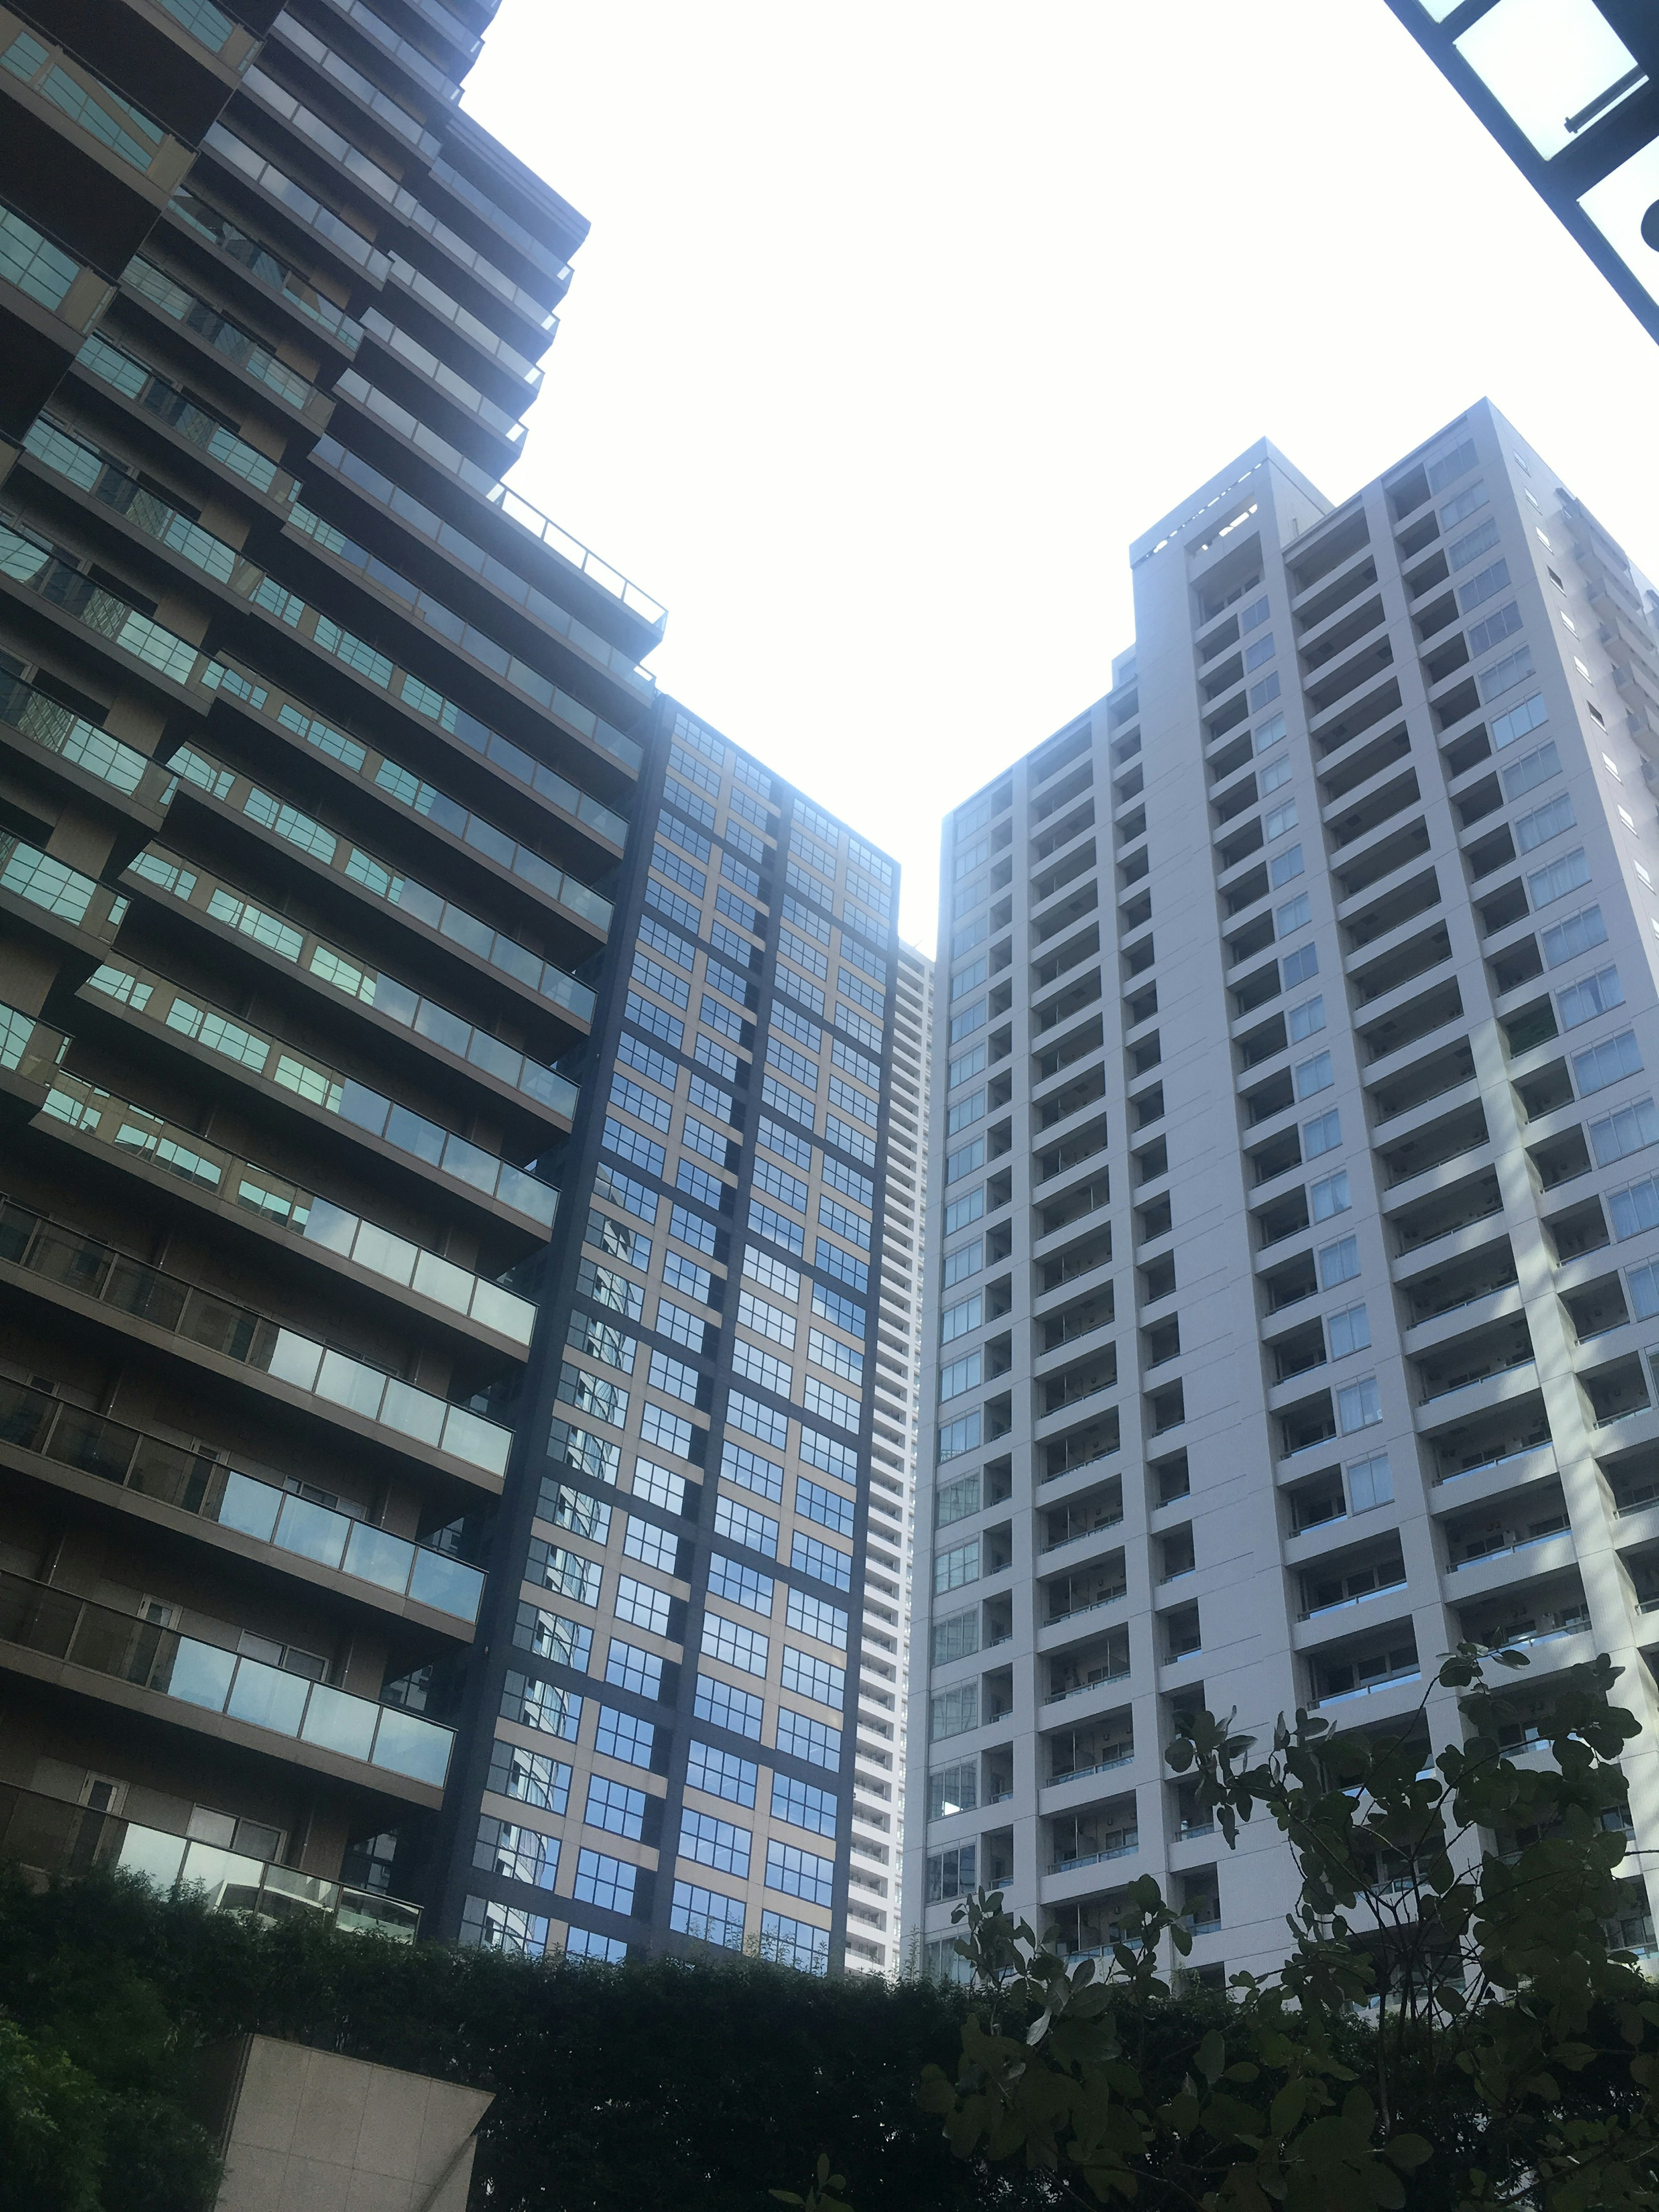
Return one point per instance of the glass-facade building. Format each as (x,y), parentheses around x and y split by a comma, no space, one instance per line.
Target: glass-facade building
(443,1082)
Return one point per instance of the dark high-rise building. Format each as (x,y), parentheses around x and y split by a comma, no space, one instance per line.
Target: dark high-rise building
(419,1046)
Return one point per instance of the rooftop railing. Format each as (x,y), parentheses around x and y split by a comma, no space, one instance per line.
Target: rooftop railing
(168,1303)
(41,1617)
(131,1458)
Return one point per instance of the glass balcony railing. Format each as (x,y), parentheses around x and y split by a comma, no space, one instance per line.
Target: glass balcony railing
(471,327)
(138,1134)
(224,336)
(572,550)
(95,107)
(51,1835)
(33,562)
(361,89)
(294,198)
(454,386)
(380,880)
(506,580)
(296,291)
(34,1421)
(493,279)
(56,729)
(498,218)
(369,987)
(377,29)
(58,889)
(137,381)
(61,1625)
(38,268)
(233,1331)
(158,1002)
(208,25)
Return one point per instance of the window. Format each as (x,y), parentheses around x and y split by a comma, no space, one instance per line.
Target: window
(962,1211)
(1276,772)
(740,1465)
(715,1843)
(957,1321)
(954,1501)
(706,1915)
(530,1776)
(1303,1021)
(519,1854)
(955,1567)
(1519,720)
(762,1368)
(740,1585)
(722,1774)
(812,1616)
(614,1807)
(845,1312)
(1287,866)
(757,1532)
(962,1070)
(1278,820)
(1349,1331)
(967,1260)
(642,1604)
(1593,994)
(1483,635)
(1370,1483)
(566,1573)
(1473,544)
(673,1377)
(1628,1129)
(764,1267)
(746,1648)
(1563,875)
(809,1677)
(1644,1292)
(1298,966)
(956,1635)
(800,1873)
(1504,675)
(665,1430)
(767,1320)
(1323,1135)
(1579,933)
(681,1326)
(628,1667)
(1263,693)
(1474,496)
(755,1420)
(726,1707)
(803,1806)
(965,1113)
(795,1943)
(1269,734)
(951,1873)
(814,1741)
(1610,1061)
(1544,823)
(1295,914)
(605,1881)
(826,1507)
(954,1711)
(1635,1209)
(621,1736)
(1359,1405)
(808,1555)
(1484,586)
(496,1927)
(957,1437)
(1329,1196)
(840,1358)
(1339,1262)
(567,1643)
(953,1790)
(959,1375)
(1259,650)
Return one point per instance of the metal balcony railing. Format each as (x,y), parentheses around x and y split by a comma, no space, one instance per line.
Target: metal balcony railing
(52,1836)
(234,1331)
(34,1421)
(58,1624)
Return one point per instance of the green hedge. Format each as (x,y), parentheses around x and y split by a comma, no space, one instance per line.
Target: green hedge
(700,2084)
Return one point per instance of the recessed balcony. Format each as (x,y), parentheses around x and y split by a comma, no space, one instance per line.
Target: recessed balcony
(79,1638)
(48,1428)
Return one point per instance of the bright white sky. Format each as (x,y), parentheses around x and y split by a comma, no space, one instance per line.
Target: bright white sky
(897,321)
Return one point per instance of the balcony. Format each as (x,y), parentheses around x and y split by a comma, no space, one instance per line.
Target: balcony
(311,1085)
(332,1382)
(211,1490)
(272,278)
(112,771)
(49,1836)
(158,397)
(219,337)
(48,300)
(76,1632)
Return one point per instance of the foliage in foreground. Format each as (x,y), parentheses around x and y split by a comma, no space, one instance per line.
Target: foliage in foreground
(1452,2027)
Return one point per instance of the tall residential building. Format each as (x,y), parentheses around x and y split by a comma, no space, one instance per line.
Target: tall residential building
(329,778)
(661,1745)
(874,1938)
(1292,1311)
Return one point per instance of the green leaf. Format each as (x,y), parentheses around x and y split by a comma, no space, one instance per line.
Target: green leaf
(1409,2151)
(1210,2057)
